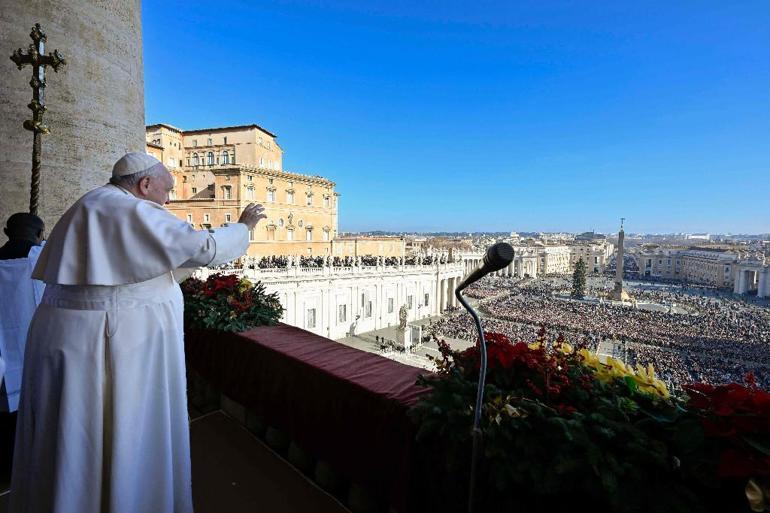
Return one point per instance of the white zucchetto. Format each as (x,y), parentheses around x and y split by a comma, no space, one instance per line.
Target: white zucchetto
(134,162)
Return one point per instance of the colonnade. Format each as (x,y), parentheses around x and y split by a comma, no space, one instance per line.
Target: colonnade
(748,278)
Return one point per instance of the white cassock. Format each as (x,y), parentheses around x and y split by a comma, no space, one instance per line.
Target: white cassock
(103,423)
(19,296)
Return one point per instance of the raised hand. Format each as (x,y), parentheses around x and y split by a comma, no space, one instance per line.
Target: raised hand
(252,214)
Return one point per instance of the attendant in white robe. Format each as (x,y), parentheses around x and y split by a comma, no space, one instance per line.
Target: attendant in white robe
(19,297)
(103,423)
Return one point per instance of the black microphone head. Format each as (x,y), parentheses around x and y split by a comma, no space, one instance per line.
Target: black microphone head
(498,256)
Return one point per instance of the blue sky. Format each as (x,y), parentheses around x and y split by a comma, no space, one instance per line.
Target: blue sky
(468,116)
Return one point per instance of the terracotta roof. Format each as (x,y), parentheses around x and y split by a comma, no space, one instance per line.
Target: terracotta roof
(226,128)
(164,125)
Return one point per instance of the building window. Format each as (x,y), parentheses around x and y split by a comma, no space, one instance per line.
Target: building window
(195,159)
(327,201)
(225,157)
(368,309)
(310,318)
(250,193)
(290,197)
(208,142)
(326,235)
(189,218)
(206,218)
(289,234)
(184,178)
(427,300)
(390,305)
(409,302)
(342,313)
(227,192)
(308,235)
(210,158)
(225,140)
(271,196)
(251,235)
(228,218)
(195,190)
(280,222)
(250,178)
(261,161)
(309,199)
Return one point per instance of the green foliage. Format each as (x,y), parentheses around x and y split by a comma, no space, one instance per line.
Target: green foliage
(579,280)
(558,435)
(228,303)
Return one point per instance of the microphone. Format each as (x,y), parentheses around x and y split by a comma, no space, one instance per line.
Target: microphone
(498,256)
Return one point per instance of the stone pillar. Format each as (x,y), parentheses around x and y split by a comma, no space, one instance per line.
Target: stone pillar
(741,281)
(764,283)
(94,104)
(452,286)
(442,296)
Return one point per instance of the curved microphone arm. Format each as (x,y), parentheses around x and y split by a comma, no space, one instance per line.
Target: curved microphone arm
(476,432)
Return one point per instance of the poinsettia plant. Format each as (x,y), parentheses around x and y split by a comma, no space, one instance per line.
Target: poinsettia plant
(228,303)
(563,427)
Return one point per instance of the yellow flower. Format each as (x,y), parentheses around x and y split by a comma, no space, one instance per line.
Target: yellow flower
(566,348)
(613,369)
(534,345)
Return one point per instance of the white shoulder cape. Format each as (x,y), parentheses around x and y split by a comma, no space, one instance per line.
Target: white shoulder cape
(110,237)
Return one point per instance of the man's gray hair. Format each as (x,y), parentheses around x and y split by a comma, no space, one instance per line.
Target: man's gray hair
(130,181)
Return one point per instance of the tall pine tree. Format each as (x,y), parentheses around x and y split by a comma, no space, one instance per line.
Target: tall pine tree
(579,280)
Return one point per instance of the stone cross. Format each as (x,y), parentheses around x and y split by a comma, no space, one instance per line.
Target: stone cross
(38,60)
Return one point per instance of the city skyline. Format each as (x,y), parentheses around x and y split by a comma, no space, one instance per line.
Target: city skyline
(542,117)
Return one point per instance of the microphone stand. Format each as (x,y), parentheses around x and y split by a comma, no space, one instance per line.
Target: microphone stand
(476,432)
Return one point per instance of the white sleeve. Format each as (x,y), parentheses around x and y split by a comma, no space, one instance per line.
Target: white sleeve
(223,245)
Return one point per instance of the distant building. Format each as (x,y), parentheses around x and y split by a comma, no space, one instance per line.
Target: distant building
(590,236)
(715,267)
(595,253)
(698,236)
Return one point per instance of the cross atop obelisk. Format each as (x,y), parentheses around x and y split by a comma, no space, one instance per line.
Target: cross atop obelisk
(38,60)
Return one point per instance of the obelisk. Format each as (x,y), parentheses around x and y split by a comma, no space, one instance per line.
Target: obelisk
(619,293)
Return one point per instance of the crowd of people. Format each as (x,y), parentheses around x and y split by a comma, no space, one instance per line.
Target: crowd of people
(717,339)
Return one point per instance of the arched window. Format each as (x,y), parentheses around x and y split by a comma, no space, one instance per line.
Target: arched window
(225,157)
(210,158)
(195,159)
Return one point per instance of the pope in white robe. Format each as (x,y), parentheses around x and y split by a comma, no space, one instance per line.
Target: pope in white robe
(103,423)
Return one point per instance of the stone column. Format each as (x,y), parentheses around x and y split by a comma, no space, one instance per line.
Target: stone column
(742,281)
(764,283)
(452,285)
(94,104)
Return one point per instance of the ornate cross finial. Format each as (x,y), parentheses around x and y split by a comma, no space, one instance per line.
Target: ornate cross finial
(38,60)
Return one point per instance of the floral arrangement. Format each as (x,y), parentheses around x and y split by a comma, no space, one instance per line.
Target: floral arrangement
(563,428)
(228,303)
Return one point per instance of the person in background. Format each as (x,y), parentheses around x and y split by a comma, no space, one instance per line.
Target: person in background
(19,297)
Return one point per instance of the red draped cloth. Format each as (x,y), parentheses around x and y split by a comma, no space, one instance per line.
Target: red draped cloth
(340,404)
